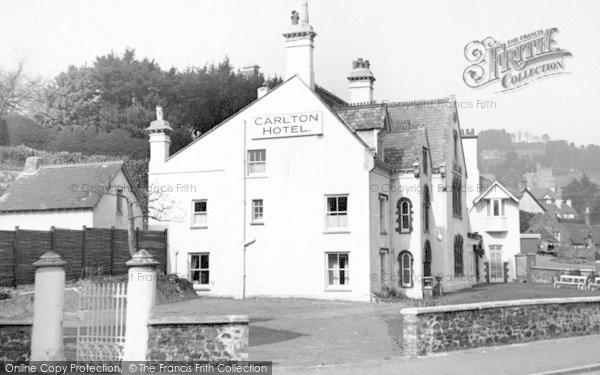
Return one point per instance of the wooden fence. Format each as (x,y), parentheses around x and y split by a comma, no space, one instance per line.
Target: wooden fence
(88,252)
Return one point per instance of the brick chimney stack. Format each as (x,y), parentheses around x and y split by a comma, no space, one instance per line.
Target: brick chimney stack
(299,45)
(361,81)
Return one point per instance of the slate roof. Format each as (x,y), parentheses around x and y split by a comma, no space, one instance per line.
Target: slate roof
(564,209)
(540,193)
(403,149)
(437,116)
(412,126)
(329,98)
(58,187)
(364,118)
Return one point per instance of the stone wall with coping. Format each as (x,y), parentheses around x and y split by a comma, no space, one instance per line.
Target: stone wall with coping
(429,330)
(198,338)
(15,340)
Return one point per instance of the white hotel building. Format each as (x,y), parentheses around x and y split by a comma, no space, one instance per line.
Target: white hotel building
(301,194)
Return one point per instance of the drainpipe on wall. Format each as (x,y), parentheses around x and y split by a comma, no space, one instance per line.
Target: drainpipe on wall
(244,215)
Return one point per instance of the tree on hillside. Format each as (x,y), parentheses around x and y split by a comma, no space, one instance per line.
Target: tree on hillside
(19,92)
(494,139)
(511,170)
(4,137)
(583,193)
(121,91)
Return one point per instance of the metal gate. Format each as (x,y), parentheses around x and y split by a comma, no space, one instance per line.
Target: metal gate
(101,328)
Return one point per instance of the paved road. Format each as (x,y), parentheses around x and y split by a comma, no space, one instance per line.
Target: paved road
(538,357)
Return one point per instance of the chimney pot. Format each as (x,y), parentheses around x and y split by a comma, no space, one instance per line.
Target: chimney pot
(262,91)
(299,43)
(361,82)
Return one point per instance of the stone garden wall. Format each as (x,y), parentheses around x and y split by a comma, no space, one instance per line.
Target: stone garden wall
(198,338)
(429,330)
(546,274)
(15,340)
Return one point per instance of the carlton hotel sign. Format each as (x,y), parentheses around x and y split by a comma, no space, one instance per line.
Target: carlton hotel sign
(286,125)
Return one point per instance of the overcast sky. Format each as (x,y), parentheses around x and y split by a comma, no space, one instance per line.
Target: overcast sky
(416,48)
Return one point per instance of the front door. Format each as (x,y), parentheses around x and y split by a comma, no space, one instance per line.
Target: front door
(496,267)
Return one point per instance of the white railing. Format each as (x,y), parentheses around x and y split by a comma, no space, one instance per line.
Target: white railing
(101,328)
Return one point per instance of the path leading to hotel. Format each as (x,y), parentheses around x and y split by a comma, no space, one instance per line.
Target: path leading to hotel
(302,332)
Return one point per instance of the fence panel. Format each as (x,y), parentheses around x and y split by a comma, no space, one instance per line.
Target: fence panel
(96,250)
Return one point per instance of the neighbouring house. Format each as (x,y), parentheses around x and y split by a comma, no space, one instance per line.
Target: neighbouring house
(301,194)
(495,216)
(529,203)
(565,233)
(554,204)
(69,196)
(494,220)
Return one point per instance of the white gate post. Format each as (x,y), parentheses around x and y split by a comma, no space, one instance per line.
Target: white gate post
(48,304)
(141,295)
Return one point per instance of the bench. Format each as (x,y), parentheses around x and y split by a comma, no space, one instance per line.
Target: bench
(579,282)
(594,283)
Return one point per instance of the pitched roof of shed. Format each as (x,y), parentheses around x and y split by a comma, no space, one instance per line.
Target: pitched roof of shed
(59,187)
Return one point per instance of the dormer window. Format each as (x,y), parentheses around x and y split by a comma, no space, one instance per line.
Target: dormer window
(495,207)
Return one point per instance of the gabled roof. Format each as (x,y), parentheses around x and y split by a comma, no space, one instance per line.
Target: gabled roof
(494,185)
(540,193)
(525,191)
(564,209)
(437,115)
(364,117)
(324,96)
(331,99)
(547,236)
(61,187)
(412,125)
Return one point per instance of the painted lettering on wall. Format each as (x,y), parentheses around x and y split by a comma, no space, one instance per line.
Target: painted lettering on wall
(287,125)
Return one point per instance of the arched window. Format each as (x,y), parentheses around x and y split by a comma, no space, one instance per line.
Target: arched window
(426,206)
(458,255)
(427,259)
(406,270)
(404,216)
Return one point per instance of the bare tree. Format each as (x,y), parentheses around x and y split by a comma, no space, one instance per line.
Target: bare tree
(157,207)
(153,205)
(19,92)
